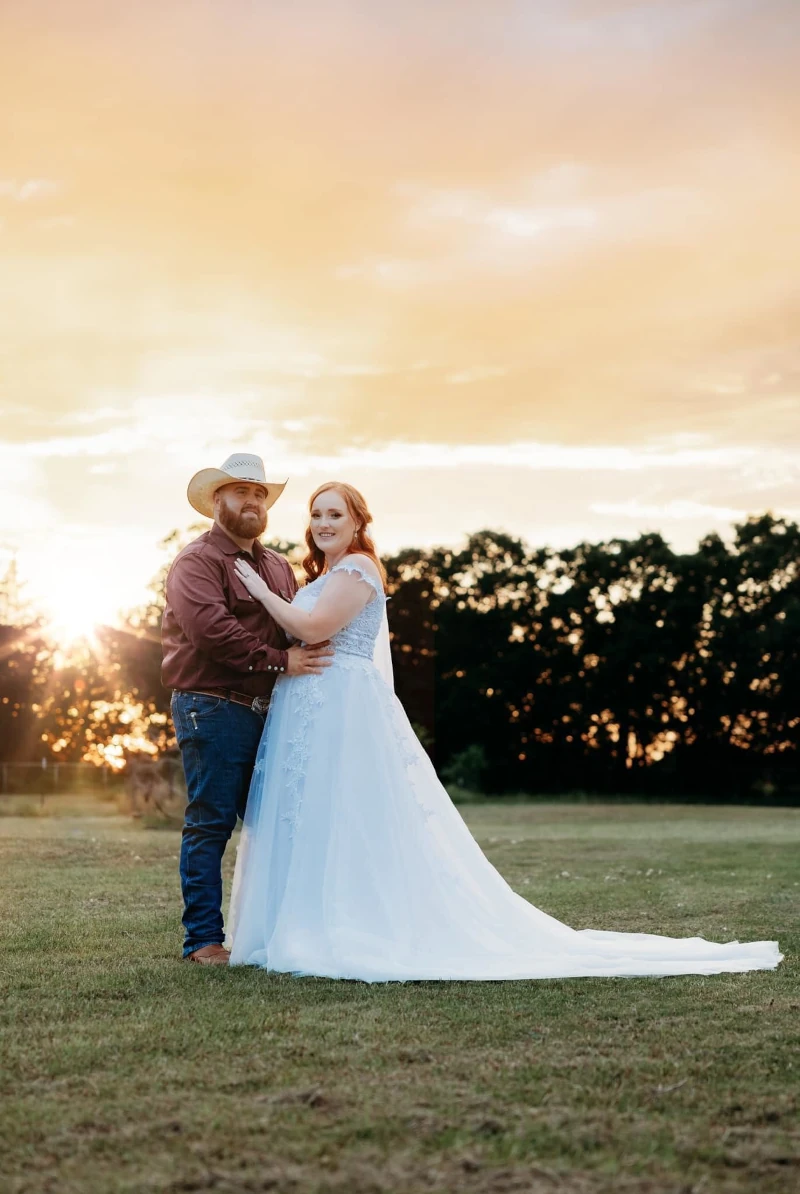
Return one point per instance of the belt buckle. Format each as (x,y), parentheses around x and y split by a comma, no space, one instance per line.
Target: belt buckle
(260,704)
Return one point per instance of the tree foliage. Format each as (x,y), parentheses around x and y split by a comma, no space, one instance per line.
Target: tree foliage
(618,666)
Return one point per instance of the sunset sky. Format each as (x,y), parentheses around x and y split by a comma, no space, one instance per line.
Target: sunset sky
(532,266)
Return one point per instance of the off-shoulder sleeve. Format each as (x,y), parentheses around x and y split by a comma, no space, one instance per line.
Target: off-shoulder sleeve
(350,565)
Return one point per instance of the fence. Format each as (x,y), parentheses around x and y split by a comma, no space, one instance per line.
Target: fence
(147,787)
(52,779)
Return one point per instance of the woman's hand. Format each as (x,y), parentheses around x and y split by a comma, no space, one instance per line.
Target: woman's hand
(255,586)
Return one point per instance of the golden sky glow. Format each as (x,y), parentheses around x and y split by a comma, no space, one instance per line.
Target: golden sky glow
(523,265)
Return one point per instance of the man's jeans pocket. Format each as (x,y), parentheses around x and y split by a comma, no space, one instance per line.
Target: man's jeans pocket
(189,709)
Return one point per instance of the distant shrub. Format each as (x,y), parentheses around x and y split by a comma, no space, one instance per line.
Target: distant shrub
(467,769)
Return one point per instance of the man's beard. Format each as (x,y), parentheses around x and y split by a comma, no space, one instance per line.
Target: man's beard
(244,526)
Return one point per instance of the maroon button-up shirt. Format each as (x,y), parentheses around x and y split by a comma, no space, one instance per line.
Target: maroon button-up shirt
(213,633)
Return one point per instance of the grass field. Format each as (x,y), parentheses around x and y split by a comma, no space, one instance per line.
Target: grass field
(125,1069)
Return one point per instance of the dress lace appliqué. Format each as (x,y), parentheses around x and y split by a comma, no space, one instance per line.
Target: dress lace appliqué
(307,698)
(354,644)
(357,638)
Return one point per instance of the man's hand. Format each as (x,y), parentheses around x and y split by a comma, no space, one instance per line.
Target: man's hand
(309,661)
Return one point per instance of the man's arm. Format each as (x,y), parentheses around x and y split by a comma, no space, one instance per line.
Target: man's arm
(195,594)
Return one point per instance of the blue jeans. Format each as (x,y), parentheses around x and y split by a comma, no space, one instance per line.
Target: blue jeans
(218,742)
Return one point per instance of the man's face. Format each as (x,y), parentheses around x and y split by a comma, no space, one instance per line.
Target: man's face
(241,508)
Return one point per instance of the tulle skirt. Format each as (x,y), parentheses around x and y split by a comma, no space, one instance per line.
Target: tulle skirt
(354,862)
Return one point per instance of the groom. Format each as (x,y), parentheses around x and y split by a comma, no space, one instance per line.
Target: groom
(222,653)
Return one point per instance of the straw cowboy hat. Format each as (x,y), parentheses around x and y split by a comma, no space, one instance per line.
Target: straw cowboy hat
(239,467)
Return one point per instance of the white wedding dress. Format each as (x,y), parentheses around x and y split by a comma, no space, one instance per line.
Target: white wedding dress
(354,862)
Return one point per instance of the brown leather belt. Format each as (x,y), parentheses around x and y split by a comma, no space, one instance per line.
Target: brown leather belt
(256,703)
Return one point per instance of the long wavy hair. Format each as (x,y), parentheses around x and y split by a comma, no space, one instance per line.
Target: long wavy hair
(314,563)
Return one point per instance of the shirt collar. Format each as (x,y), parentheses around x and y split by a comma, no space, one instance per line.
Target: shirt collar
(223,541)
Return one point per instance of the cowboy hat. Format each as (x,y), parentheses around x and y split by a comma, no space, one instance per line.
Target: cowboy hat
(239,467)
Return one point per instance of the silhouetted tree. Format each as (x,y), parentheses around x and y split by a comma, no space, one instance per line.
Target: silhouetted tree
(614,667)
(618,666)
(25,657)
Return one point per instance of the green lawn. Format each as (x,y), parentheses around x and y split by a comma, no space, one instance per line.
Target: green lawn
(125,1069)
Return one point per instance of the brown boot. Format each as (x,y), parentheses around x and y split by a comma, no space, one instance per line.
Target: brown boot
(210,955)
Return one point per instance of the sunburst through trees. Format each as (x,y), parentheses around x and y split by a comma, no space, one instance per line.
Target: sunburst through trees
(616,667)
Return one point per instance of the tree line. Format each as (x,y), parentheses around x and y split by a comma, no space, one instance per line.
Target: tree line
(612,667)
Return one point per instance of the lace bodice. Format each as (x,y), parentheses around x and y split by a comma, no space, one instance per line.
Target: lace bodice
(357,637)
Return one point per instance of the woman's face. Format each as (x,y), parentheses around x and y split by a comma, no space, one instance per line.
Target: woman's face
(332,525)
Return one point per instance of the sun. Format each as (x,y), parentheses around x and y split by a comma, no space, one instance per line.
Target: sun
(74,616)
(71,635)
(86,582)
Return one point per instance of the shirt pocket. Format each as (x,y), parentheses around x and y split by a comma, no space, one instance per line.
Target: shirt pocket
(241,600)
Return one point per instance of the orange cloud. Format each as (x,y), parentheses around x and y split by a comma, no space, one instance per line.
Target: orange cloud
(337,227)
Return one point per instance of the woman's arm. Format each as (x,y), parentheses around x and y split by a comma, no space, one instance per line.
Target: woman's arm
(344,596)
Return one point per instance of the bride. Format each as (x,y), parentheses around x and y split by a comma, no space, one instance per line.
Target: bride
(353,862)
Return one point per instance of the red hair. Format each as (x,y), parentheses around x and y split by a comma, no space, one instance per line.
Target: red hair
(314,563)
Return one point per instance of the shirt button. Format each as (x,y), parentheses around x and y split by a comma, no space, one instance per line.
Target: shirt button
(251,667)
